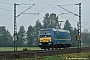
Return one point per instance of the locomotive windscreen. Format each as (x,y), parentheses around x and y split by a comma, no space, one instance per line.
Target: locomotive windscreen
(45,33)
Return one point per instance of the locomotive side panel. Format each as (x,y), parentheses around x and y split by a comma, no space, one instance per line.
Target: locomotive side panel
(62,39)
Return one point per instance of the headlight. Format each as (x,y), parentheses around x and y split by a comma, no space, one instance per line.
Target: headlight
(49,40)
(49,43)
(40,43)
(41,40)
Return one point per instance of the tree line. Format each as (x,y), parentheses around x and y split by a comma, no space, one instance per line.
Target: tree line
(29,37)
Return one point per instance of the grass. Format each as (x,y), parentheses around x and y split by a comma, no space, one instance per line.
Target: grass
(82,55)
(74,56)
(18,48)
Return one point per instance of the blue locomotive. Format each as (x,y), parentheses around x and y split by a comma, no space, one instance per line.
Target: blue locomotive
(54,38)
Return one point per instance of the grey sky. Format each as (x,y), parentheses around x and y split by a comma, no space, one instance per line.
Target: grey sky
(42,7)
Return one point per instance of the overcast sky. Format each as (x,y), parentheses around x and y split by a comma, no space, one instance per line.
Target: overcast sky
(42,7)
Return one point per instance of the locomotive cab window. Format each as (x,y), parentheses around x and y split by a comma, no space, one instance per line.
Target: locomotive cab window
(45,33)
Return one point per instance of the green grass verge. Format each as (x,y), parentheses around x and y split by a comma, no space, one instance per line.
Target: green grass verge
(74,56)
(18,48)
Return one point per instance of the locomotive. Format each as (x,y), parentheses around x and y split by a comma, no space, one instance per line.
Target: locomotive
(53,38)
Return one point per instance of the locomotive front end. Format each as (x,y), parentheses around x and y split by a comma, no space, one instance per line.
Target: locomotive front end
(45,39)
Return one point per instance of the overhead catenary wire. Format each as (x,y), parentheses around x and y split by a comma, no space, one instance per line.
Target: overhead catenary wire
(17,11)
(6,9)
(68,10)
(20,12)
(39,10)
(19,6)
(68,18)
(86,23)
(24,6)
(13,1)
(17,3)
(6,3)
(72,13)
(43,2)
(73,19)
(53,5)
(25,10)
(62,8)
(39,6)
(27,4)
(11,4)
(42,8)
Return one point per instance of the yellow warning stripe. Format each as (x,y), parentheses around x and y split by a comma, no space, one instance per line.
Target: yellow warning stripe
(45,39)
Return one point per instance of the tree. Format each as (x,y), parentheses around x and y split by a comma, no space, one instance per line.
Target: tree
(67,26)
(30,35)
(53,20)
(21,36)
(73,37)
(37,27)
(86,39)
(73,32)
(5,37)
(9,39)
(46,21)
(50,21)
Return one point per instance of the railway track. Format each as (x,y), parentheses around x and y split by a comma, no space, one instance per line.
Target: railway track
(33,53)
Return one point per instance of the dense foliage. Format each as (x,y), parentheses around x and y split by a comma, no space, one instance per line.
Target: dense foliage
(5,37)
(29,37)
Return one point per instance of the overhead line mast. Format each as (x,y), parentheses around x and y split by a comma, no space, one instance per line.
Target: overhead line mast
(79,38)
(15,28)
(15,25)
(79,28)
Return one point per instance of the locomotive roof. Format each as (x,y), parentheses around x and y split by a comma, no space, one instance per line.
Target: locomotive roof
(47,28)
(61,30)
